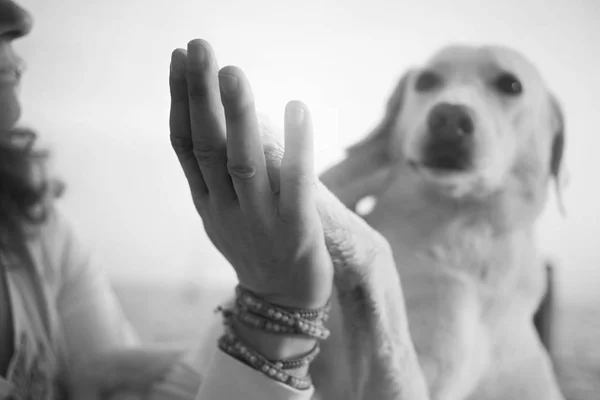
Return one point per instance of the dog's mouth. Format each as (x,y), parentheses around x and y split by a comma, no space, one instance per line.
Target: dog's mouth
(444,161)
(440,169)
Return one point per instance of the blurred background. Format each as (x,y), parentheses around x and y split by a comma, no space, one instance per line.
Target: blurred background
(97,91)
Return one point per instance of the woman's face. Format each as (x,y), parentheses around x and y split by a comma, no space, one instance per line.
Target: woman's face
(15,22)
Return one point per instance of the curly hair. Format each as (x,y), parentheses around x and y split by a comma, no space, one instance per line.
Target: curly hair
(25,192)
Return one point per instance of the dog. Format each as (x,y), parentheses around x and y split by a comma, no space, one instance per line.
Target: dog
(454,177)
(453,180)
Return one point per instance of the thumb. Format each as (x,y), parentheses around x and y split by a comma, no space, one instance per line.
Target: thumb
(297,183)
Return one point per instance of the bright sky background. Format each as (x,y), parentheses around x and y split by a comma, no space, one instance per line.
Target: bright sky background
(96,89)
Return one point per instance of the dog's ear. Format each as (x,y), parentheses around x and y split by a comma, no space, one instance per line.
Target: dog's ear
(381,136)
(557,150)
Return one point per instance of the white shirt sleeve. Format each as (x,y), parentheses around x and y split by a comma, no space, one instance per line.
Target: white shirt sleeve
(90,314)
(228,378)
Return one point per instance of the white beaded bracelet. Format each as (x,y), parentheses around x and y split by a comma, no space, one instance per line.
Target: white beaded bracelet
(255,304)
(285,325)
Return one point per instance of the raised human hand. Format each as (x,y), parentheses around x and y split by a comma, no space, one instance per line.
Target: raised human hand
(273,239)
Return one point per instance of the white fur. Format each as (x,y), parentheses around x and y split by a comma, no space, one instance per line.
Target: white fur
(463,243)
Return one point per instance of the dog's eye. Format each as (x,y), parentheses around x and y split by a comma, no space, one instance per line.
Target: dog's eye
(508,84)
(427,81)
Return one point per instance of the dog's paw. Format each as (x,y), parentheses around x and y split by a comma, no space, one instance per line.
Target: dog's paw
(354,246)
(351,242)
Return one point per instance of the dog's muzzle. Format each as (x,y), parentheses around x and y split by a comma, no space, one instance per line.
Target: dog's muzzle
(449,144)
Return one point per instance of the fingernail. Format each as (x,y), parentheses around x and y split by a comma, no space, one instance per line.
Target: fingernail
(229,84)
(199,52)
(201,55)
(295,114)
(177,65)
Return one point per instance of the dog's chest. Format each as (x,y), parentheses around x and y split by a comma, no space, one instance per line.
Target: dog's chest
(432,252)
(449,249)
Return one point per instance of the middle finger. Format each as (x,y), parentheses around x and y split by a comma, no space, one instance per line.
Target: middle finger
(245,156)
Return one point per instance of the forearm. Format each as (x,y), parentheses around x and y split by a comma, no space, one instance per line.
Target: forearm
(352,244)
(375,323)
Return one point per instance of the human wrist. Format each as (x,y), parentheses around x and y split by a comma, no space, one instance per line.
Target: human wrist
(298,295)
(274,338)
(299,302)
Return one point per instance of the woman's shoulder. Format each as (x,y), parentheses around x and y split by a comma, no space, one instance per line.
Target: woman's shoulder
(56,232)
(55,245)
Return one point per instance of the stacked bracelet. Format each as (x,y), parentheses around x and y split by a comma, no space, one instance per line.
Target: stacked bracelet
(259,314)
(283,364)
(254,312)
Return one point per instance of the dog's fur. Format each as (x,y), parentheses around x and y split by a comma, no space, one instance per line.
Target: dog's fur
(464,241)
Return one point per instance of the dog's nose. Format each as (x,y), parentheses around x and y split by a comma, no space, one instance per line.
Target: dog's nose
(450,141)
(450,121)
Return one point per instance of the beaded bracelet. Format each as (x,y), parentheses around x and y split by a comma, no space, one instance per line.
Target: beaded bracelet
(233,346)
(300,361)
(253,303)
(280,323)
(256,313)
(283,364)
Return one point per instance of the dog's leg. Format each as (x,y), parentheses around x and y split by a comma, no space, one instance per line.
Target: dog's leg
(380,353)
(373,325)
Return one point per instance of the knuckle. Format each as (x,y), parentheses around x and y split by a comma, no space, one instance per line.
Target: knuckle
(178,89)
(242,171)
(198,97)
(208,154)
(181,144)
(200,203)
(198,89)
